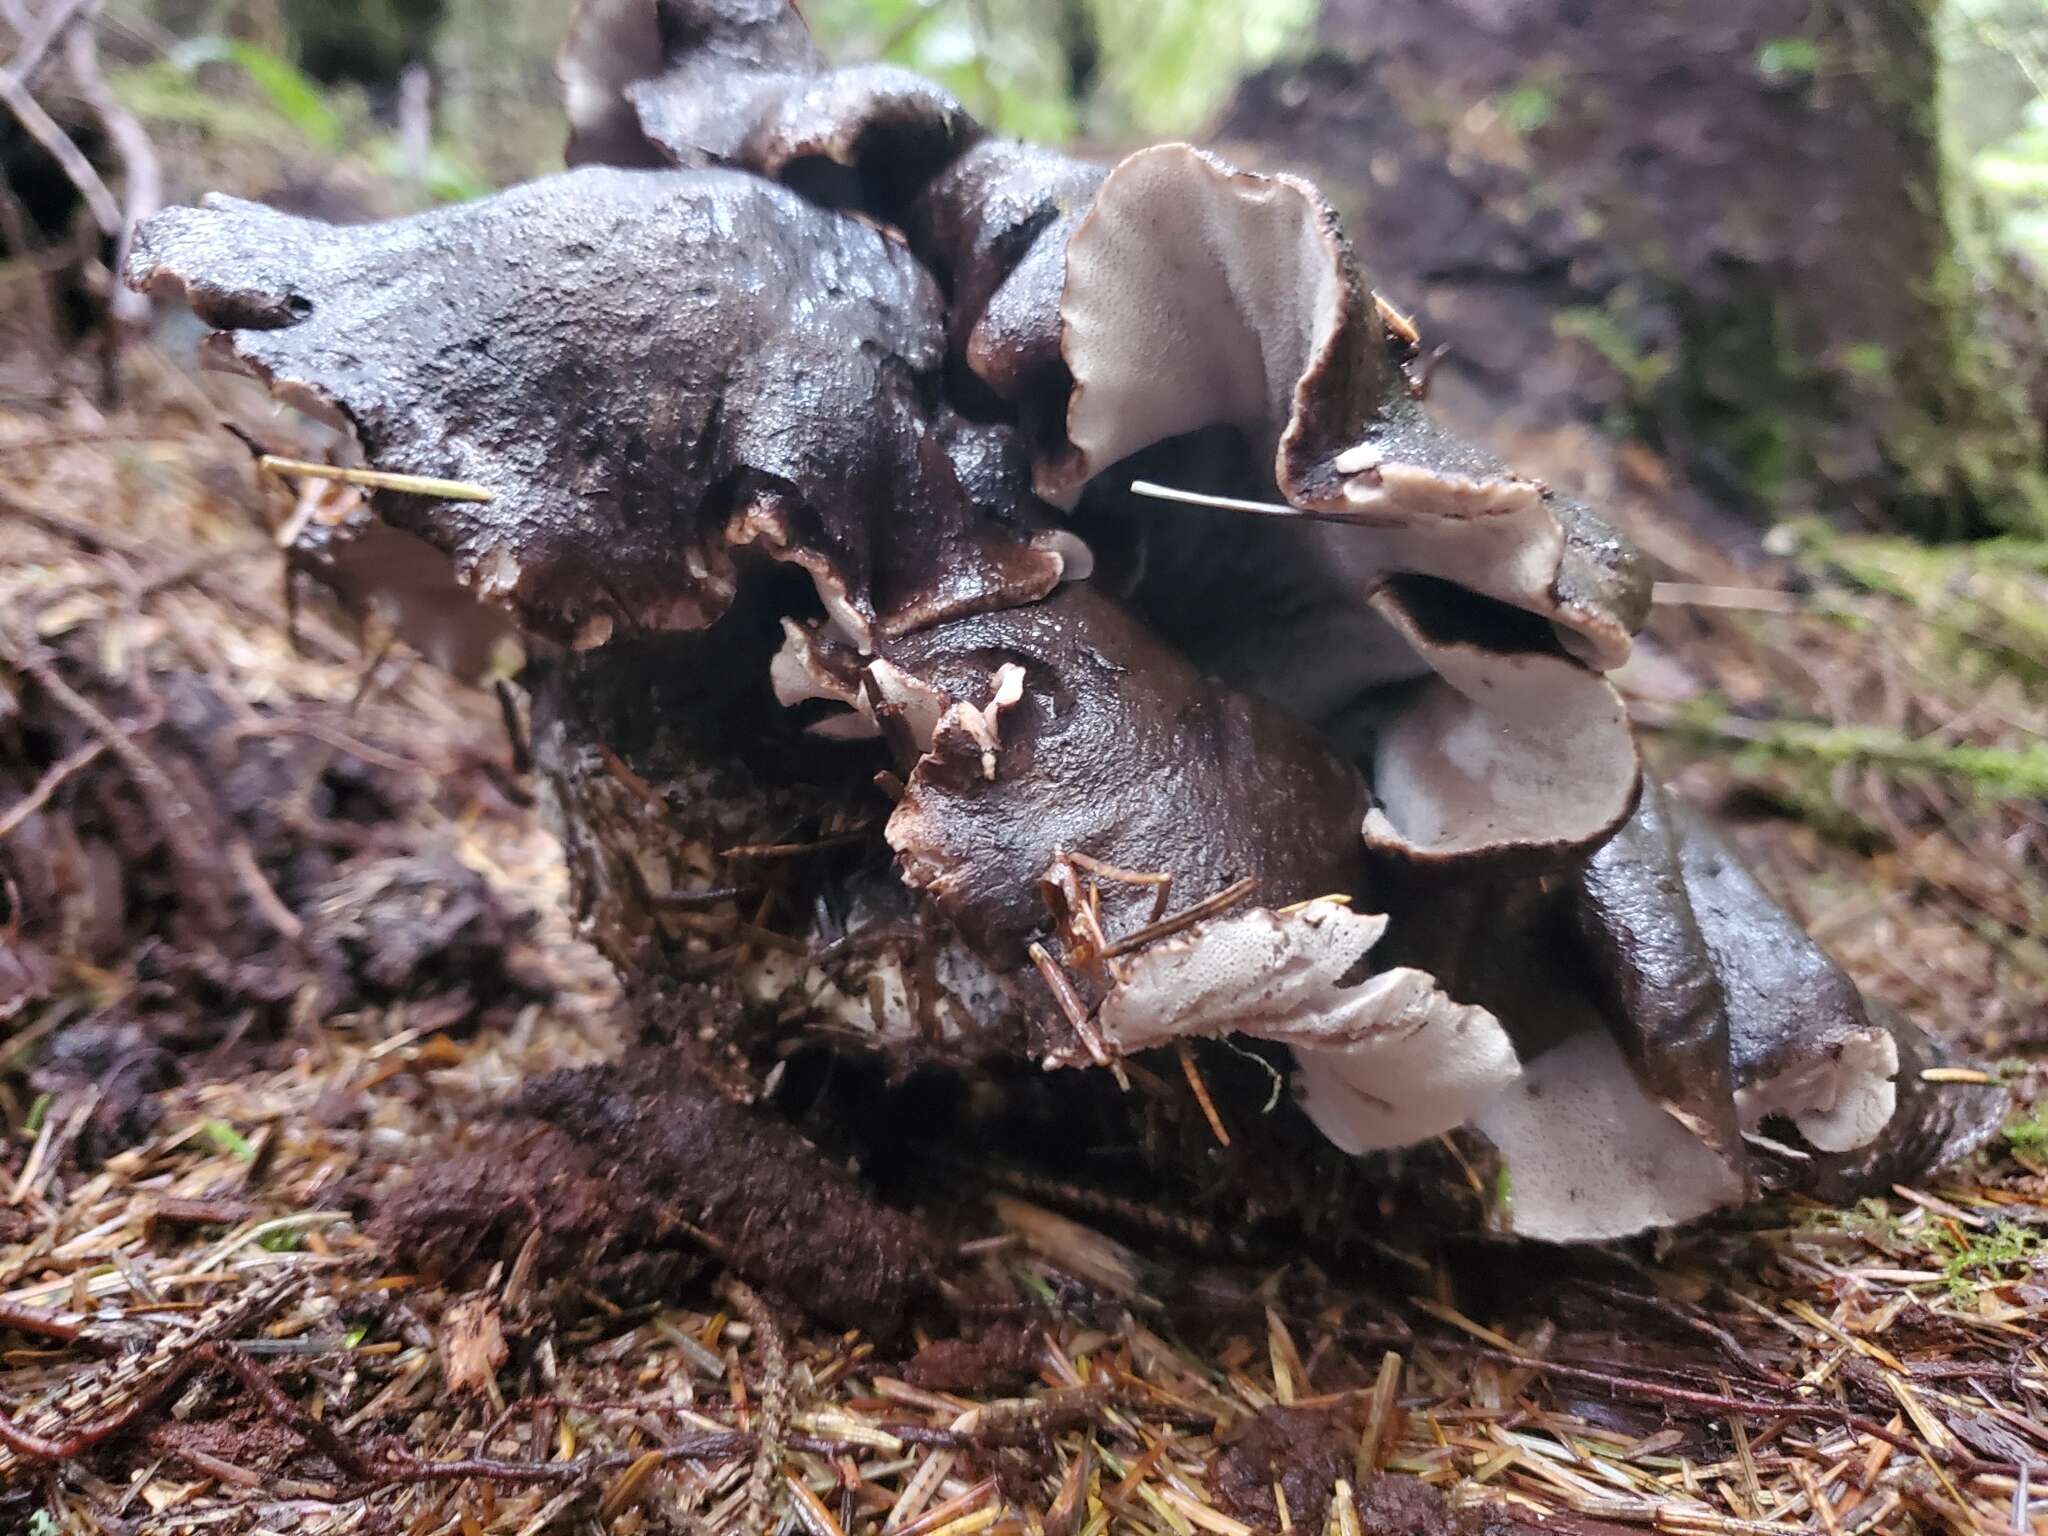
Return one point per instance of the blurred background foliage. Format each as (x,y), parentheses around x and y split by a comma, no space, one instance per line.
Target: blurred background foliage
(1995,109)
(324,77)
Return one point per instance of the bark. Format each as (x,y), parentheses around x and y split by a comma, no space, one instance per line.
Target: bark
(1724,229)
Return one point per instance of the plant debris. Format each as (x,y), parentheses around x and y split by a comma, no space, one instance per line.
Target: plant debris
(1643,1388)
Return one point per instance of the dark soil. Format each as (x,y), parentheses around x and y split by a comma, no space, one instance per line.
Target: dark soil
(631,1172)
(245,866)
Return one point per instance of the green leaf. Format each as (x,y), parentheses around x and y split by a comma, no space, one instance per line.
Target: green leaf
(225,1138)
(1788,58)
(293,94)
(1527,107)
(36,1112)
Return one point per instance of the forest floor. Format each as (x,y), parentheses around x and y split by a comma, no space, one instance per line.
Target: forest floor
(306,931)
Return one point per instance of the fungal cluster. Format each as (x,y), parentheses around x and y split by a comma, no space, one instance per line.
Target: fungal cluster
(809,413)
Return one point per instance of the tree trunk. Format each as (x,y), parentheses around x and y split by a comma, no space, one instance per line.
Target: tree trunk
(1725,230)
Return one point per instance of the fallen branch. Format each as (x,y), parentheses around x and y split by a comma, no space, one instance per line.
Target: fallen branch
(142,181)
(48,132)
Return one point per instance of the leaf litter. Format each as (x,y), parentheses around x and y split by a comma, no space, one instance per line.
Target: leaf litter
(209,1320)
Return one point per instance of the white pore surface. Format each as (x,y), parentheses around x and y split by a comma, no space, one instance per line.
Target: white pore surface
(1386,1059)
(1496,536)
(1840,1102)
(1501,750)
(1196,295)
(1431,1065)
(1589,1155)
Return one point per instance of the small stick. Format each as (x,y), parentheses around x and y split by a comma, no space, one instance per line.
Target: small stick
(1187,917)
(1194,1077)
(174,816)
(46,29)
(379,479)
(1418,386)
(692,901)
(1161,881)
(1160,492)
(39,1323)
(141,174)
(791,850)
(264,1388)
(1386,1391)
(46,131)
(1402,325)
(515,732)
(52,780)
(1070,1004)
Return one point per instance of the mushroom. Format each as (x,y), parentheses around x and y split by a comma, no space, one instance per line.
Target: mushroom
(791,345)
(810,425)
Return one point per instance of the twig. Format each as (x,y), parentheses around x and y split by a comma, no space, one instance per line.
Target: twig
(379,479)
(43,1325)
(142,181)
(792,850)
(174,815)
(1693,1319)
(761,1477)
(53,779)
(515,731)
(48,132)
(1070,1004)
(47,28)
(1160,881)
(1720,1403)
(261,893)
(692,901)
(264,1388)
(1201,1091)
(1187,917)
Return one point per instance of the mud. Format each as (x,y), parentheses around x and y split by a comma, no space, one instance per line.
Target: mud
(1304,1450)
(1002,1359)
(636,1175)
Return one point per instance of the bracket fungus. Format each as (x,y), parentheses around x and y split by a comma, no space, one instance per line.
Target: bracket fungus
(810,413)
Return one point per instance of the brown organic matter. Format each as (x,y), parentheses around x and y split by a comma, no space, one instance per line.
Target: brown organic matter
(624,1177)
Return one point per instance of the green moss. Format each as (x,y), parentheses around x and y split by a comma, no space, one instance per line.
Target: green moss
(1971,1261)
(223,1137)
(1997,773)
(1602,330)
(2028,1132)
(169,95)
(1982,601)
